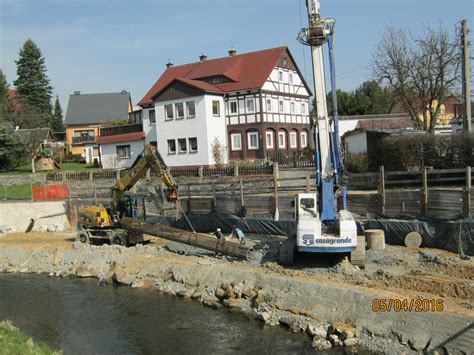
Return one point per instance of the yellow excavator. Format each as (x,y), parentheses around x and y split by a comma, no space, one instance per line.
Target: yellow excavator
(98,223)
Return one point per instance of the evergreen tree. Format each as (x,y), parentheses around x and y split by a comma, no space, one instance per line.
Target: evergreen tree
(34,89)
(57,121)
(12,149)
(4,100)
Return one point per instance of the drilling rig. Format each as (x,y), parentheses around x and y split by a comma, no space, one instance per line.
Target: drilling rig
(324,225)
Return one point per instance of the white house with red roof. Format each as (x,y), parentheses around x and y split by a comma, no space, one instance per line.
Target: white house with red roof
(253,104)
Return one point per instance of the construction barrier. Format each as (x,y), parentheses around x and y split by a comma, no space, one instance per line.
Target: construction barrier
(50,192)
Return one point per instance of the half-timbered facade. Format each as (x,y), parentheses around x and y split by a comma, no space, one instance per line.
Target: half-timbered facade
(254,104)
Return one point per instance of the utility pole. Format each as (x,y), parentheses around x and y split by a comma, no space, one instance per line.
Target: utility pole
(466,77)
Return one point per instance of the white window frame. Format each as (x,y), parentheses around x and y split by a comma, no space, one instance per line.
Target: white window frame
(293,139)
(282,134)
(281,106)
(218,108)
(304,138)
(236,107)
(233,146)
(269,142)
(180,151)
(249,141)
(269,105)
(188,105)
(292,107)
(152,113)
(176,107)
(128,150)
(169,150)
(303,108)
(247,102)
(169,118)
(191,150)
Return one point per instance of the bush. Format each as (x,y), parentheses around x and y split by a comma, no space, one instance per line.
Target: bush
(357,162)
(414,151)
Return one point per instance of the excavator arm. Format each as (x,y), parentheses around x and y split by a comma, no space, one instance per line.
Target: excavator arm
(150,158)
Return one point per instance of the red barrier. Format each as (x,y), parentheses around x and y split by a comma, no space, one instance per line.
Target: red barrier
(50,192)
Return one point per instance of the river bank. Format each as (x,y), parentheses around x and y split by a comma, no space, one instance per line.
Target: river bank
(332,311)
(13,341)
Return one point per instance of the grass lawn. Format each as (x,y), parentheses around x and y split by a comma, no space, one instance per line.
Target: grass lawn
(26,169)
(12,341)
(16,192)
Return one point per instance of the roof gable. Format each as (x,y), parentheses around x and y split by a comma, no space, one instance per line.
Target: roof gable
(97,108)
(246,71)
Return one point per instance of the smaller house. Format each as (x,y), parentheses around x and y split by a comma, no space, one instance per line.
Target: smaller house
(87,113)
(457,123)
(367,122)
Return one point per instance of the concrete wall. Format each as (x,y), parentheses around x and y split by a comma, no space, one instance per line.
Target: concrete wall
(16,216)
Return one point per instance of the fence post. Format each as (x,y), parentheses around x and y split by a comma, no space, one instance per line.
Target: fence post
(424,193)
(381,190)
(95,195)
(200,172)
(467,194)
(236,170)
(241,193)
(275,191)
(117,174)
(308,188)
(91,175)
(64,176)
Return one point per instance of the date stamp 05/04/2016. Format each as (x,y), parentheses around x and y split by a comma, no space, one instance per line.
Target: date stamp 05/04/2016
(407,305)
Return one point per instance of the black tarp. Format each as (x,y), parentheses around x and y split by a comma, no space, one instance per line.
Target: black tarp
(455,236)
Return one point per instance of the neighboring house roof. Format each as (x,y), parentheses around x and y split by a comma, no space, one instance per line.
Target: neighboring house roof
(384,121)
(244,72)
(36,134)
(86,109)
(121,138)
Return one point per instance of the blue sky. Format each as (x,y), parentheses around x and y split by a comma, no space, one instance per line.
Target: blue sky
(110,45)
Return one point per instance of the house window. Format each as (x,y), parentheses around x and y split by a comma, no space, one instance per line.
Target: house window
(250,105)
(290,78)
(215,108)
(233,107)
(123,152)
(169,112)
(182,145)
(269,105)
(190,109)
(280,105)
(171,146)
(293,139)
(179,110)
(303,108)
(292,107)
(252,140)
(304,139)
(269,139)
(281,140)
(280,76)
(193,144)
(236,141)
(151,116)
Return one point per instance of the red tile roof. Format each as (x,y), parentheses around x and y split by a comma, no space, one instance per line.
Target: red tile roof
(135,136)
(246,71)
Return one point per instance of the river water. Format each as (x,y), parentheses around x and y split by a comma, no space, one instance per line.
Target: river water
(81,317)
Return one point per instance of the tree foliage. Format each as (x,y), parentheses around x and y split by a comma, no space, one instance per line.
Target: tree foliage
(12,148)
(370,98)
(4,98)
(420,71)
(57,121)
(33,87)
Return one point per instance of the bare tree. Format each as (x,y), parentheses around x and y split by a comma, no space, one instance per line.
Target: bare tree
(422,72)
(218,151)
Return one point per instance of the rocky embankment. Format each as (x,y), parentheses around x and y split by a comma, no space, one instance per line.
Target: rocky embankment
(330,313)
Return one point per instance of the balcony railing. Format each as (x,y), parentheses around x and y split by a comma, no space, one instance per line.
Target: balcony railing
(128,128)
(83,139)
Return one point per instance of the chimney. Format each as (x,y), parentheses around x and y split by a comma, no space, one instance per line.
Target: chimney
(169,64)
(77,92)
(124,91)
(232,52)
(202,57)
